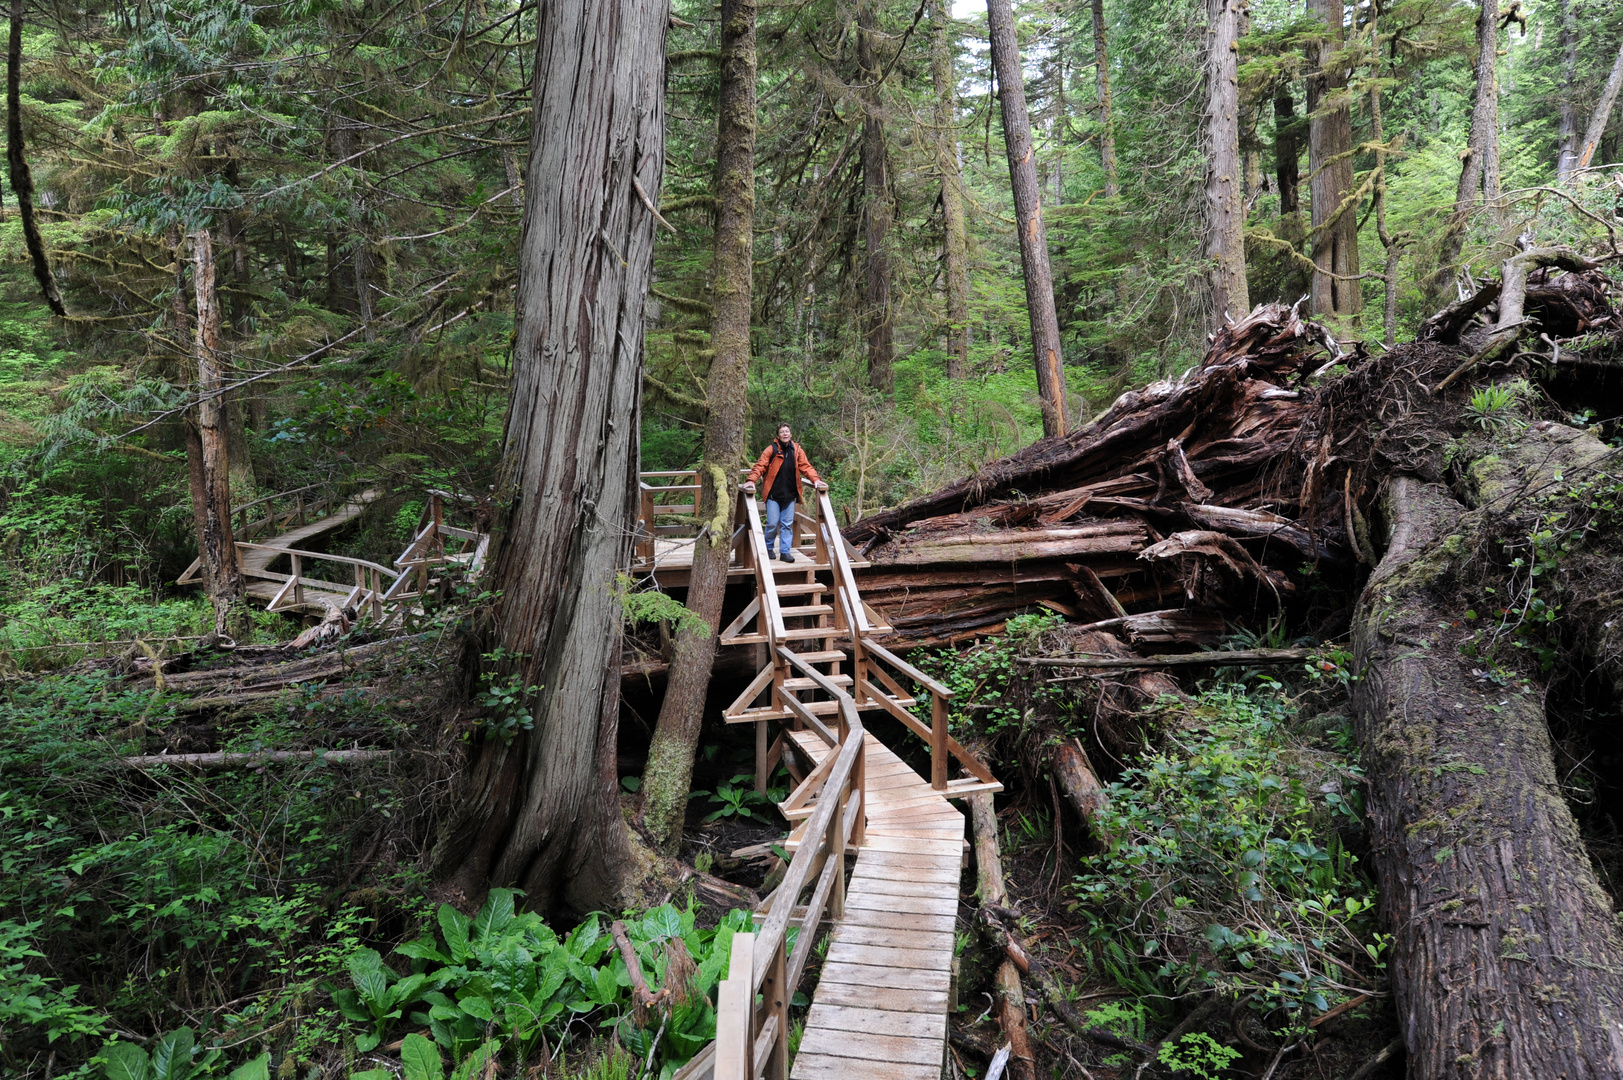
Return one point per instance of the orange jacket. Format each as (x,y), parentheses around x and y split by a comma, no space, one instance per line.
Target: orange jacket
(770,461)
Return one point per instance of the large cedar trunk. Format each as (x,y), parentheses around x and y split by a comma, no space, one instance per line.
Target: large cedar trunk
(1479,172)
(955,232)
(1225,201)
(1101,84)
(208,457)
(877,212)
(1028,213)
(1566,142)
(676,736)
(1330,163)
(1507,959)
(1287,154)
(541,812)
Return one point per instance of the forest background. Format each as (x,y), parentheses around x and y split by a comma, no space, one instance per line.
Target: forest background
(357,170)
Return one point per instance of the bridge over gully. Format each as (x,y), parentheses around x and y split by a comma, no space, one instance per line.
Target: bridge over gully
(877,848)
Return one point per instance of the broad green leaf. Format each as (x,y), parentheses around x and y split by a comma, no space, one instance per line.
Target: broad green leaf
(477,1060)
(172,1056)
(454,925)
(663,922)
(494,916)
(371,1074)
(125,1061)
(256,1069)
(478,1007)
(368,1042)
(421,1059)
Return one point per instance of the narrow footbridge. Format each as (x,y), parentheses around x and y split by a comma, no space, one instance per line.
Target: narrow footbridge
(883,991)
(270,535)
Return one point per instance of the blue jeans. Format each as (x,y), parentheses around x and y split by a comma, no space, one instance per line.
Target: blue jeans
(780,522)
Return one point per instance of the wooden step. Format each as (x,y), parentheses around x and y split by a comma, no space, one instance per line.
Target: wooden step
(811,684)
(796,588)
(825,656)
(813,632)
(806,610)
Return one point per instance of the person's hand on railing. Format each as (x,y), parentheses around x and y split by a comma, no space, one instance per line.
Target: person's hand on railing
(748,485)
(821,486)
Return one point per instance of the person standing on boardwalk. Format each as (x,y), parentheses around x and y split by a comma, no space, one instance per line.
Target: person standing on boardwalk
(782,490)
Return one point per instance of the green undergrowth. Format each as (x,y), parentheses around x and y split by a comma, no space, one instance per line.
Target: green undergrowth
(1226,865)
(168,924)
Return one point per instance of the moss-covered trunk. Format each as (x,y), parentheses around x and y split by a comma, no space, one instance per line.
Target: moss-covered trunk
(1506,959)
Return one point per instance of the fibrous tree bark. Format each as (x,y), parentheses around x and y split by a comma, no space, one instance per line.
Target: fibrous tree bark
(669,772)
(541,811)
(1334,221)
(208,458)
(1567,136)
(1479,170)
(1028,213)
(1603,114)
(879,324)
(1101,84)
(1225,199)
(1287,154)
(955,231)
(1011,997)
(22,180)
(1508,962)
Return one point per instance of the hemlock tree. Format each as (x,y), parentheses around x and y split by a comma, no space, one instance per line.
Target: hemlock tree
(669,771)
(539,810)
(1225,201)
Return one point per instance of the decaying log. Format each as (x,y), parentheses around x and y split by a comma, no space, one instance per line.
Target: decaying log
(1080,784)
(252,759)
(1011,998)
(1236,656)
(1508,962)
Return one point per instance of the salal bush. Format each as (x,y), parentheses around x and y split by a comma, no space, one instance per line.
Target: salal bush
(1224,866)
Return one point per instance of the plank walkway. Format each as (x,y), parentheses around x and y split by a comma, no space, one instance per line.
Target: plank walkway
(880,1009)
(255,559)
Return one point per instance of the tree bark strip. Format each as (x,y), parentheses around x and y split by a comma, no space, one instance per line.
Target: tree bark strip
(1479,173)
(879,321)
(1011,997)
(1567,135)
(209,463)
(1334,217)
(1225,199)
(542,811)
(1507,960)
(1107,119)
(955,231)
(22,180)
(1028,213)
(669,772)
(1603,114)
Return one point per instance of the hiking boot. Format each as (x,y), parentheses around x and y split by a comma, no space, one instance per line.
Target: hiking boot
(787,556)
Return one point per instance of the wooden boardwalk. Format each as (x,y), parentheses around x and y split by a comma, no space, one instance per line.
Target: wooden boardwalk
(880,1009)
(318,592)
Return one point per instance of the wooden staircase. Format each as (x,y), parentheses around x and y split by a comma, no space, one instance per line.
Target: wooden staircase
(880,1008)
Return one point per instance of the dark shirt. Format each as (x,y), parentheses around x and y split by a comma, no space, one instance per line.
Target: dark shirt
(786,485)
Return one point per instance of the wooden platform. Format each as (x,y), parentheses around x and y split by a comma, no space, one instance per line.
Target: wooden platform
(880,1009)
(318,593)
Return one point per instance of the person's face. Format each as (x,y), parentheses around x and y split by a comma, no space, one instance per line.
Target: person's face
(784,434)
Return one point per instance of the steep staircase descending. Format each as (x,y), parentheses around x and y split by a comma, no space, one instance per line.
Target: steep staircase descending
(880,1008)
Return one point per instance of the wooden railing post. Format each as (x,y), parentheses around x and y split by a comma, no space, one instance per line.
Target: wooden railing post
(836,843)
(938,742)
(735,1002)
(301,508)
(645,524)
(298,578)
(776,992)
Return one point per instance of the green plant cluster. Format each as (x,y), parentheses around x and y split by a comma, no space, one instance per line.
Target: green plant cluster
(1224,868)
(504,981)
(981,678)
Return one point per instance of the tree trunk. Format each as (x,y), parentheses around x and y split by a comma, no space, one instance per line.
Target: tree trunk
(1479,173)
(877,211)
(1028,212)
(1107,120)
(208,456)
(955,239)
(1393,244)
(1225,199)
(1507,960)
(1329,149)
(22,181)
(1567,138)
(1287,154)
(1081,784)
(1603,114)
(669,771)
(542,812)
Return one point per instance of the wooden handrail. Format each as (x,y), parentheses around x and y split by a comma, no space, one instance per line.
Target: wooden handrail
(367,564)
(771,611)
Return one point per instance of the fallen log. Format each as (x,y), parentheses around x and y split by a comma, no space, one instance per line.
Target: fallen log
(1508,961)
(1219,656)
(1011,998)
(252,758)
(1080,783)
